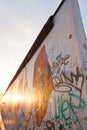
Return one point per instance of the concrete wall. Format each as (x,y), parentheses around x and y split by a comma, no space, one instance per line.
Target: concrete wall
(50,93)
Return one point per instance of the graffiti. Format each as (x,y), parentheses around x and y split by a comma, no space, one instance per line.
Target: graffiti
(49,125)
(68,82)
(51,54)
(62,81)
(43,110)
(64,110)
(58,66)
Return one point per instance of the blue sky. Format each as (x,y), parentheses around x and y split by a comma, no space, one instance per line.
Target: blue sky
(20,23)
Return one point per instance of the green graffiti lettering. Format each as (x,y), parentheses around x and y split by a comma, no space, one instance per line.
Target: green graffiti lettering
(81,101)
(64,107)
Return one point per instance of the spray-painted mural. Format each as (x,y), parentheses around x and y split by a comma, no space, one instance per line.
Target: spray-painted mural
(50,91)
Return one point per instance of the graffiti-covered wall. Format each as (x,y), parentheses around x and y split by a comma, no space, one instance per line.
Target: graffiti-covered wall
(50,92)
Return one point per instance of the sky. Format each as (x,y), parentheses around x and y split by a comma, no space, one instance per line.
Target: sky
(20,23)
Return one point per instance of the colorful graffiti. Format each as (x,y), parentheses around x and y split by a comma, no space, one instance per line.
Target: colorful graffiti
(64,111)
(55,101)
